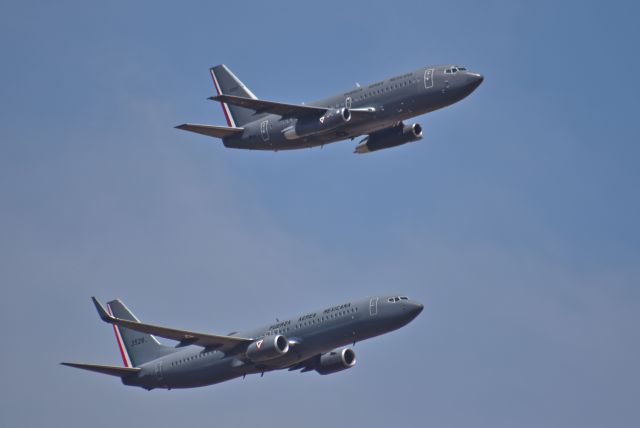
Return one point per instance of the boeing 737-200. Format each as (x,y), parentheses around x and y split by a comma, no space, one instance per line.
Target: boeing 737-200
(376,110)
(312,341)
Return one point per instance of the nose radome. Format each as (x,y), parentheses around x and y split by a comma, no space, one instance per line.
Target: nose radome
(415,308)
(475,79)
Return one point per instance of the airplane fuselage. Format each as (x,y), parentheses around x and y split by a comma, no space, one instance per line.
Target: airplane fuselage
(309,335)
(391,101)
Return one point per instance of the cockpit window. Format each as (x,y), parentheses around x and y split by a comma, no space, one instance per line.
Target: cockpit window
(396,299)
(404,298)
(454,69)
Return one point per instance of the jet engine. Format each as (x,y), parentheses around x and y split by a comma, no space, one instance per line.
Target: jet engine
(335,361)
(331,120)
(267,348)
(392,137)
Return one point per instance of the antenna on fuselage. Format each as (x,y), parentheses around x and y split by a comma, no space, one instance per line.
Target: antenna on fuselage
(357,84)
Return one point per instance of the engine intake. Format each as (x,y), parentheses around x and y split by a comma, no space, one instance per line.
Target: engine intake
(331,120)
(268,348)
(387,138)
(336,361)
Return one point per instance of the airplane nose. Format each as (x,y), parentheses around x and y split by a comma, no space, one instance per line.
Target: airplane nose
(415,308)
(475,79)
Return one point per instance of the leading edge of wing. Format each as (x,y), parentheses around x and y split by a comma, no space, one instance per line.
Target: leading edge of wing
(262,106)
(185,337)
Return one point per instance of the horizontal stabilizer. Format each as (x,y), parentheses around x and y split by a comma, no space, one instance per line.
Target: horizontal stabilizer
(262,106)
(109,370)
(211,130)
(185,337)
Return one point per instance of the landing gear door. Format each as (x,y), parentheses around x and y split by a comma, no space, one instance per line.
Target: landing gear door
(373,306)
(428,78)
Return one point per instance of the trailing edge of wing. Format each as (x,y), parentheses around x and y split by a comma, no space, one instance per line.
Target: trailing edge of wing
(110,370)
(185,337)
(262,106)
(210,130)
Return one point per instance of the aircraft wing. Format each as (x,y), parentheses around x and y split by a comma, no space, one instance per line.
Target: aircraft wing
(210,130)
(185,337)
(305,365)
(262,106)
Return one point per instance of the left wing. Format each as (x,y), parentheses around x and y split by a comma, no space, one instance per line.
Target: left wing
(185,337)
(262,106)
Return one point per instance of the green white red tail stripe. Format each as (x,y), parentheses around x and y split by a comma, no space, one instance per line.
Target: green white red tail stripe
(123,350)
(225,108)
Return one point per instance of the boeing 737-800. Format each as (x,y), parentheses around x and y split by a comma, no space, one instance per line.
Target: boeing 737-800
(312,341)
(376,111)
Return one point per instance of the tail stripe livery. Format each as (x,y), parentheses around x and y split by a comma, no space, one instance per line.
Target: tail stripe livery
(225,108)
(227,83)
(123,351)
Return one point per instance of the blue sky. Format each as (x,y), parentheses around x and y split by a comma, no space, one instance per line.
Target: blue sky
(515,219)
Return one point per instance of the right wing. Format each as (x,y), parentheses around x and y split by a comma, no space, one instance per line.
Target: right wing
(110,370)
(305,365)
(185,337)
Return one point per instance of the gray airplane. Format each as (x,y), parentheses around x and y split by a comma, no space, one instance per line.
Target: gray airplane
(312,341)
(376,110)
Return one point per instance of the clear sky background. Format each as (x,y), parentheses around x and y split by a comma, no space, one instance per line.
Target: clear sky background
(515,219)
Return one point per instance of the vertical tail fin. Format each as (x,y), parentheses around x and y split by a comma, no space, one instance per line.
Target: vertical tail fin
(135,348)
(227,83)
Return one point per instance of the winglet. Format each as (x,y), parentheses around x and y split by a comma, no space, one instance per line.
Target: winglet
(102,312)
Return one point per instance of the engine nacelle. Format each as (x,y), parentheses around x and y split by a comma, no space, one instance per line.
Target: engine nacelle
(331,120)
(268,348)
(336,361)
(390,138)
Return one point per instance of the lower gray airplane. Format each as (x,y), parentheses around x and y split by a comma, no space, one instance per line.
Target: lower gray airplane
(376,110)
(312,341)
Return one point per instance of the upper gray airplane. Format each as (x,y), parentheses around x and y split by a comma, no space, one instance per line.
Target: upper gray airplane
(376,110)
(312,341)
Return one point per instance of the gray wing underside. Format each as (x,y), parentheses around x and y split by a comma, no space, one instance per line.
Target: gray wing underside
(185,337)
(304,366)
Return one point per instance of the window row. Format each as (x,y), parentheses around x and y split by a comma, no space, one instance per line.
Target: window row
(191,358)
